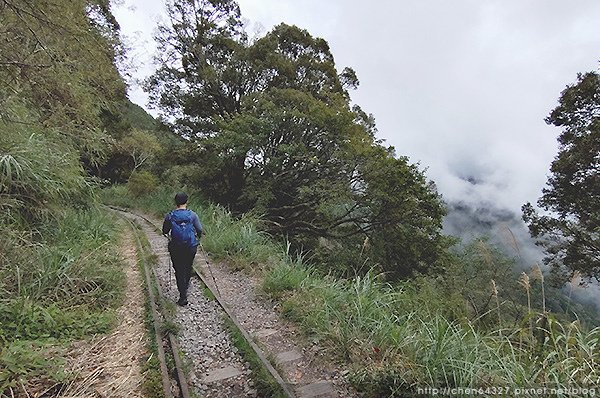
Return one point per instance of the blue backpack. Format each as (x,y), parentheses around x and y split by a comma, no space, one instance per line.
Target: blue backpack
(182,228)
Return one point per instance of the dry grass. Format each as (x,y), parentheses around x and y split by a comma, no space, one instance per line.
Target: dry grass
(110,366)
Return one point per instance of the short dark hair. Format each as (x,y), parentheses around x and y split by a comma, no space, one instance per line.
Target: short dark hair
(181,198)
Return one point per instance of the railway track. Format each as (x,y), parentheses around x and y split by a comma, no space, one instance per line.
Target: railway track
(213,364)
(174,383)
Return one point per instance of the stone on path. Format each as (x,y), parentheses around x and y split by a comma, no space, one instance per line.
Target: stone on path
(288,356)
(318,389)
(222,374)
(265,332)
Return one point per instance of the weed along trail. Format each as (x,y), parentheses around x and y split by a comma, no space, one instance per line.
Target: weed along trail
(232,340)
(109,365)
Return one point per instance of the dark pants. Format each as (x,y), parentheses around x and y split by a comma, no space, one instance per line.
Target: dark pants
(182,258)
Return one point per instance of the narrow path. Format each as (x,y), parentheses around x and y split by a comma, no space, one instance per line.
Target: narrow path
(217,369)
(302,365)
(111,365)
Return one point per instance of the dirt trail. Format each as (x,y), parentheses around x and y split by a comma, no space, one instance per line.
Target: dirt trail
(111,365)
(207,346)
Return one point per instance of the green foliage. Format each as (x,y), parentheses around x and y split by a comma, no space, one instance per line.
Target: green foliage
(200,55)
(115,195)
(569,229)
(57,284)
(58,59)
(138,141)
(23,319)
(38,172)
(396,343)
(237,240)
(400,213)
(470,279)
(142,183)
(290,57)
(286,277)
(141,146)
(59,273)
(272,124)
(294,171)
(73,265)
(137,117)
(22,360)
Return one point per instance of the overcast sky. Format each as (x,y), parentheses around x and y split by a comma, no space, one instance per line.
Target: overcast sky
(462,86)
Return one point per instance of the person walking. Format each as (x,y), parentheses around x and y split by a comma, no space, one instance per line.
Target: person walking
(186,230)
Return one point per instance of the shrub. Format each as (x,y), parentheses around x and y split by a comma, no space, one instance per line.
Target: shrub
(142,183)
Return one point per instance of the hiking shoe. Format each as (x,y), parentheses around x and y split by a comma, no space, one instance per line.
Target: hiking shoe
(182,302)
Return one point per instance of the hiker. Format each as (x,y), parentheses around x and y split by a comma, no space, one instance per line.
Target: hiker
(184,225)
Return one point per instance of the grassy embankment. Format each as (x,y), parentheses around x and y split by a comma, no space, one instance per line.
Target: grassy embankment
(59,283)
(399,338)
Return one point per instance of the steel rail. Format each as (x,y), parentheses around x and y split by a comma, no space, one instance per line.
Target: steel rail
(257,350)
(180,378)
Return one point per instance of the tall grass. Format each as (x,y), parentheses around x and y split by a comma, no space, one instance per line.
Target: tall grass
(415,334)
(39,172)
(71,262)
(396,346)
(58,283)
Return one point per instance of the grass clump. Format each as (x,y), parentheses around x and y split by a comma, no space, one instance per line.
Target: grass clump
(58,284)
(288,276)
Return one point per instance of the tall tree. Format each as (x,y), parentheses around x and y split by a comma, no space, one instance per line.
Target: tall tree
(208,68)
(401,213)
(202,72)
(203,75)
(273,131)
(569,228)
(290,57)
(295,161)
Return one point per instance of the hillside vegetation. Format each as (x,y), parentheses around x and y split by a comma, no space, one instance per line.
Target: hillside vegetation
(61,97)
(292,183)
(419,333)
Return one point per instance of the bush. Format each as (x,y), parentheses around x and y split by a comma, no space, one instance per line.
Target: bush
(142,183)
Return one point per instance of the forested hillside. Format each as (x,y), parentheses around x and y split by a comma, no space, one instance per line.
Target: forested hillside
(264,132)
(65,126)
